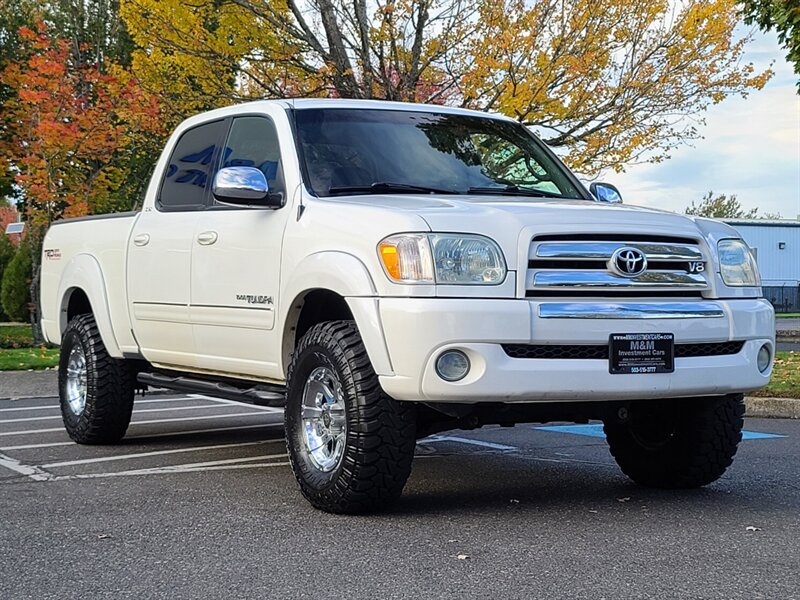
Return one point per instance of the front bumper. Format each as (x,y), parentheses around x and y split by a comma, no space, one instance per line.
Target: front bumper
(417,330)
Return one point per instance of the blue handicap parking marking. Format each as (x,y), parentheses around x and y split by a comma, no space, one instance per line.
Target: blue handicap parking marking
(596,430)
(757,435)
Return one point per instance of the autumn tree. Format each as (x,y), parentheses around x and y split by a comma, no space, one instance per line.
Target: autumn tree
(77,135)
(75,130)
(782,16)
(723,206)
(609,81)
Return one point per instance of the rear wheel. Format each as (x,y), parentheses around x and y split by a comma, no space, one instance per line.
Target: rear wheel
(350,445)
(96,391)
(677,443)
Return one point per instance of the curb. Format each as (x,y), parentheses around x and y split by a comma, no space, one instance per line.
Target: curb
(773,408)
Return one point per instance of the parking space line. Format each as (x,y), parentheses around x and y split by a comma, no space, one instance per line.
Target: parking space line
(460,440)
(32,446)
(150,422)
(135,403)
(136,412)
(146,436)
(87,461)
(269,409)
(169,470)
(35,473)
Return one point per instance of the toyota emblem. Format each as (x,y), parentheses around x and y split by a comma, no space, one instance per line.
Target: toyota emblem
(628,262)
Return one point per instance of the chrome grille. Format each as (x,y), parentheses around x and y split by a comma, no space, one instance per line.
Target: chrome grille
(577,265)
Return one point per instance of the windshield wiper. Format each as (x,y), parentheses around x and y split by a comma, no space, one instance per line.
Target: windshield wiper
(514,190)
(380,187)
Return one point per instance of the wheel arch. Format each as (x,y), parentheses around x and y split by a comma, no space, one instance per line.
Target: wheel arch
(331,286)
(82,291)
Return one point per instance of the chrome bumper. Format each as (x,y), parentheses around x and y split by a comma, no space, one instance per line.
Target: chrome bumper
(630,310)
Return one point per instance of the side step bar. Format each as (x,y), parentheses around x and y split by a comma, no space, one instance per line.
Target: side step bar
(262,394)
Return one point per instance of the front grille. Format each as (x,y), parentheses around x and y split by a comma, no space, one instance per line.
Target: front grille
(600,352)
(581,265)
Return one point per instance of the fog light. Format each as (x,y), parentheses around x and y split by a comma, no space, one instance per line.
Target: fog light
(763,358)
(452,365)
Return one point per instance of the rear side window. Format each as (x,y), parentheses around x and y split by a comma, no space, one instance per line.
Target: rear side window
(191,167)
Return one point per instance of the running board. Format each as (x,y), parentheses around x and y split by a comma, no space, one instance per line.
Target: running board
(241,391)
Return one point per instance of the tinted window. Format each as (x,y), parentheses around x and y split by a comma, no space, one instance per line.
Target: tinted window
(190,167)
(343,149)
(253,142)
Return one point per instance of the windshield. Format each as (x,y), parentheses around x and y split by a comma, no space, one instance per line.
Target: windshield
(351,151)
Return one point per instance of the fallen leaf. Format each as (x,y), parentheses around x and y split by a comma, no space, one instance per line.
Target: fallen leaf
(593,511)
(514,501)
(751,528)
(625,499)
(103,536)
(463,557)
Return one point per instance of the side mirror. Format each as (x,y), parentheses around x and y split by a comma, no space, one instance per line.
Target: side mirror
(244,186)
(605,192)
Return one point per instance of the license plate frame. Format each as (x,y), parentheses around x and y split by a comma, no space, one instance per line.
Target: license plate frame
(641,353)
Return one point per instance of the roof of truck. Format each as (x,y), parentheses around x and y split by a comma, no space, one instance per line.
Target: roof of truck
(312,103)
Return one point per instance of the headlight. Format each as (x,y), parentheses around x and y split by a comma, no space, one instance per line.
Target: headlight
(736,264)
(458,259)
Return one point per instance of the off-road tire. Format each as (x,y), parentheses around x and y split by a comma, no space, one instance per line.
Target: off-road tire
(110,387)
(380,431)
(680,443)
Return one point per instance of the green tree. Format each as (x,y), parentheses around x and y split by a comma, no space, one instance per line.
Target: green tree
(723,206)
(15,291)
(7,252)
(783,16)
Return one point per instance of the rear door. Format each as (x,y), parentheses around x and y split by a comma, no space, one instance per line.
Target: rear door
(236,264)
(160,247)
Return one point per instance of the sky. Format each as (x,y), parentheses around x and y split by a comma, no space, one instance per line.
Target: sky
(751,148)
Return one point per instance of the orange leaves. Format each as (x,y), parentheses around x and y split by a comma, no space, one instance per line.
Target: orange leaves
(72,125)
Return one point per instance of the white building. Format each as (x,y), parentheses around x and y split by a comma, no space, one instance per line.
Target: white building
(776,245)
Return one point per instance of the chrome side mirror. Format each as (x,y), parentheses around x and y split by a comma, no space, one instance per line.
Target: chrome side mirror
(605,192)
(243,186)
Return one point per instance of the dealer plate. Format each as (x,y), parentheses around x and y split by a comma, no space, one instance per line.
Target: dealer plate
(641,353)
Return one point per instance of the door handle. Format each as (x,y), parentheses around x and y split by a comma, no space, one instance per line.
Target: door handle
(207,238)
(142,239)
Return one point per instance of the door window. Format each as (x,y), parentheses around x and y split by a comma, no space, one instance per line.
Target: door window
(253,142)
(190,168)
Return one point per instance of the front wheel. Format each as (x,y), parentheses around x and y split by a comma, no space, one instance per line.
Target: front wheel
(677,443)
(96,391)
(350,445)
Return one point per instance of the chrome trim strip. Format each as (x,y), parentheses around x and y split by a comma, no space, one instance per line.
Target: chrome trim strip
(628,310)
(604,250)
(596,279)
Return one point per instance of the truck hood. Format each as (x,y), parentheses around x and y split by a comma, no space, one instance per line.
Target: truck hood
(513,222)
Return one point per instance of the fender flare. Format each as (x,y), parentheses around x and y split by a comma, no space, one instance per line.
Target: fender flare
(83,272)
(347,276)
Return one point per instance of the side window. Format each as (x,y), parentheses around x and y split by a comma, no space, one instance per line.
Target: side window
(190,168)
(253,142)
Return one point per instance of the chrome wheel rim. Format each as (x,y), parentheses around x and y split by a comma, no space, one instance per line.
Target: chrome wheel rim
(324,419)
(76,380)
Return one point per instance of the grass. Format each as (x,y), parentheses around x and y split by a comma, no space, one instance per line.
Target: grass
(787,315)
(22,359)
(16,336)
(785,382)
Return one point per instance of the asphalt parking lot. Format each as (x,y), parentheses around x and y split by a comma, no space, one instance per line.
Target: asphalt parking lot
(199,502)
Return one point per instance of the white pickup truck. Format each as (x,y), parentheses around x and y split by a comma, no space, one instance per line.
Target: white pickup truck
(386,271)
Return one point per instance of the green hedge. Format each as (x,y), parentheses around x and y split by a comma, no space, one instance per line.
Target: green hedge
(7,252)
(15,294)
